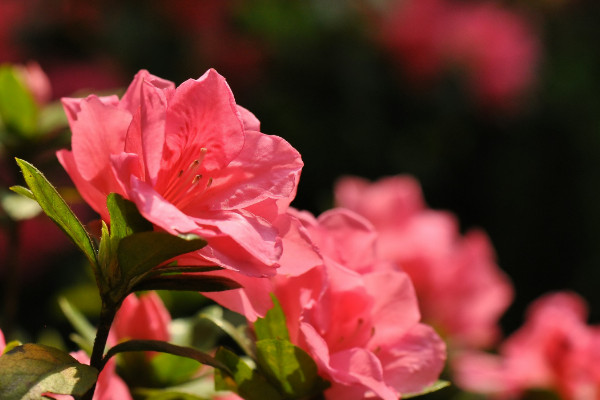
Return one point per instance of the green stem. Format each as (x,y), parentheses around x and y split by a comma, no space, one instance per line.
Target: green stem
(107,315)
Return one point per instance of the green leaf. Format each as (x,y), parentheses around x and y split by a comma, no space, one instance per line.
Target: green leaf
(214,314)
(169,370)
(290,367)
(29,370)
(164,347)
(18,109)
(18,207)
(273,325)
(78,321)
(125,219)
(57,209)
(23,191)
(245,381)
(52,117)
(11,345)
(140,252)
(440,384)
(186,282)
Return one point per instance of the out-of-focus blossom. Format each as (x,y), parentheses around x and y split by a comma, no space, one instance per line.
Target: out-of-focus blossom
(2,342)
(109,385)
(461,290)
(37,81)
(358,317)
(192,161)
(496,48)
(143,318)
(554,350)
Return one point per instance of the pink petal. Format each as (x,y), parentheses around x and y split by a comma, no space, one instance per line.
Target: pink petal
(267,167)
(414,362)
(251,123)
(299,254)
(202,114)
(142,318)
(98,132)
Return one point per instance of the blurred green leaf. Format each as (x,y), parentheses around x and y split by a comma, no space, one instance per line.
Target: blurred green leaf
(438,385)
(78,321)
(245,381)
(57,209)
(214,314)
(290,367)
(273,325)
(29,370)
(52,117)
(140,252)
(170,370)
(18,109)
(193,283)
(11,345)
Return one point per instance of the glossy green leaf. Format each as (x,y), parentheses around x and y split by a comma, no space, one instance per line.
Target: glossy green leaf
(29,370)
(18,109)
(214,314)
(57,209)
(273,325)
(164,347)
(245,381)
(140,252)
(193,283)
(438,385)
(125,219)
(290,367)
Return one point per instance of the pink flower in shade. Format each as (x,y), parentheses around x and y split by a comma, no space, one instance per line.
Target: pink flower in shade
(497,48)
(554,350)
(461,291)
(357,317)
(109,386)
(2,342)
(192,161)
(144,318)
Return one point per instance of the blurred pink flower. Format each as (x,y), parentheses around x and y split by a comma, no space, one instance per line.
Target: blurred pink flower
(144,317)
(554,350)
(192,161)
(2,342)
(109,386)
(461,290)
(37,81)
(357,317)
(497,48)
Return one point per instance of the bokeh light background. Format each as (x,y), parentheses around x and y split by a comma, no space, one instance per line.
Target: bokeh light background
(494,106)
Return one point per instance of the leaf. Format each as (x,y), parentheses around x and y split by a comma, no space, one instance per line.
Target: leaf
(164,347)
(169,369)
(18,109)
(273,325)
(440,384)
(245,381)
(55,207)
(214,314)
(11,345)
(29,370)
(18,207)
(23,191)
(182,269)
(290,367)
(140,252)
(86,330)
(185,282)
(125,219)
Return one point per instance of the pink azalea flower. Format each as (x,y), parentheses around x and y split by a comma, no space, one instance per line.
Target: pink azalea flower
(37,81)
(2,342)
(461,291)
(192,161)
(357,317)
(144,317)
(109,386)
(554,350)
(497,48)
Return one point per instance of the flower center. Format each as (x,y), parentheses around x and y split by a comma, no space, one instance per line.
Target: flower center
(188,184)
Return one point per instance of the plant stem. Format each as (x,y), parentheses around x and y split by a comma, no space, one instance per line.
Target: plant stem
(107,315)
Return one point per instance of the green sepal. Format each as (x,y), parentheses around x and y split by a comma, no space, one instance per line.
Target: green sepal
(57,209)
(245,381)
(289,367)
(28,371)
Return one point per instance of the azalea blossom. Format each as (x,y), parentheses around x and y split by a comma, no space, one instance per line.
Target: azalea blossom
(192,160)
(357,316)
(2,342)
(461,290)
(554,350)
(144,318)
